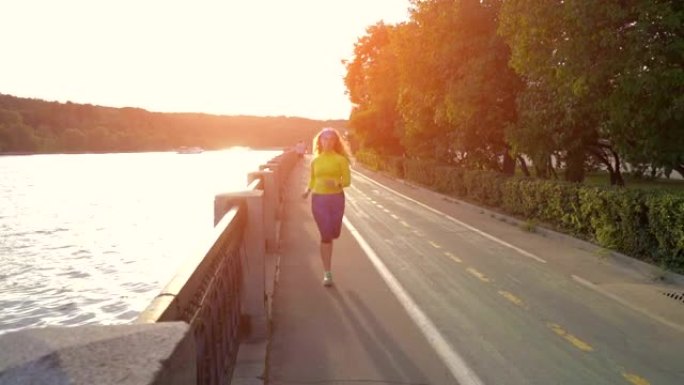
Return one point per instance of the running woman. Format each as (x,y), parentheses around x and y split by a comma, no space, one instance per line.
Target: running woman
(329,176)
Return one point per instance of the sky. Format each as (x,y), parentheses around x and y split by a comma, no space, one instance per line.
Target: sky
(228,57)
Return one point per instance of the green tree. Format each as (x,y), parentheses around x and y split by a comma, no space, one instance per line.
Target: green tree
(372,86)
(602,79)
(646,104)
(421,47)
(457,91)
(557,113)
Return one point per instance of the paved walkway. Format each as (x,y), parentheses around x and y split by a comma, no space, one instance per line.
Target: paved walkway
(357,332)
(354,332)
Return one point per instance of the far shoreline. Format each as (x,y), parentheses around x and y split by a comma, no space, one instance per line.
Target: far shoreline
(23,153)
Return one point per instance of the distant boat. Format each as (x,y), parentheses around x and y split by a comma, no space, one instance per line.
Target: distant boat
(190,150)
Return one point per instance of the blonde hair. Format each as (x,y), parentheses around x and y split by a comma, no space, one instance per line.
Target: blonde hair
(339,147)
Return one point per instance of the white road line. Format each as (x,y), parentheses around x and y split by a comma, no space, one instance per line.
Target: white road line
(598,289)
(453,361)
(358,190)
(478,231)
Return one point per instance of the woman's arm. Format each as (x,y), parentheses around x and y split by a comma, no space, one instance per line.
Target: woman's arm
(312,181)
(345,179)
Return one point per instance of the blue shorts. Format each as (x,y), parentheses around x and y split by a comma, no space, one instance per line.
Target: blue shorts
(328,210)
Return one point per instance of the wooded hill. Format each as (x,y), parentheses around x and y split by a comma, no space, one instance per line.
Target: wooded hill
(38,126)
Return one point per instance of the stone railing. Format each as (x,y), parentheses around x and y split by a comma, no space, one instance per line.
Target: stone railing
(191,332)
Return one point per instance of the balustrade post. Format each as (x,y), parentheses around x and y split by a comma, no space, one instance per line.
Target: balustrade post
(277,185)
(275,168)
(253,262)
(270,203)
(277,175)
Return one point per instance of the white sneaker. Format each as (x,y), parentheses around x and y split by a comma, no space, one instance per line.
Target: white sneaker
(327,279)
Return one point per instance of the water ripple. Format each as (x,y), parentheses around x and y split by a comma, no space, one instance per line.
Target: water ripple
(85,243)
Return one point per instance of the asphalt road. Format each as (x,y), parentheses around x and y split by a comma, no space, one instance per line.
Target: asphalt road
(510,316)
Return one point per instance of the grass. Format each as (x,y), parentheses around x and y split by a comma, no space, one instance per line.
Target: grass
(529,225)
(602,179)
(603,253)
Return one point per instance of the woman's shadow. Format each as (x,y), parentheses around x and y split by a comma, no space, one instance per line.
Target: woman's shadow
(387,355)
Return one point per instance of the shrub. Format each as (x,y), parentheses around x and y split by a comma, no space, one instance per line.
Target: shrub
(666,226)
(645,224)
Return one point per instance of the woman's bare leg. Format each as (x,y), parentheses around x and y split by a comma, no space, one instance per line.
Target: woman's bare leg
(326,256)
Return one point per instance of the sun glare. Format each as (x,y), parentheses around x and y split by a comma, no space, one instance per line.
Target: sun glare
(251,57)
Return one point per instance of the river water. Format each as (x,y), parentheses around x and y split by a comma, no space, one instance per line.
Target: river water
(93,238)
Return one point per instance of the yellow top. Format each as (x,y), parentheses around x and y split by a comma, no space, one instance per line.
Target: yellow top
(329,173)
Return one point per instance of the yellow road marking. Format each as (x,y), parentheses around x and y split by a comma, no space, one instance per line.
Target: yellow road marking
(433,244)
(453,257)
(509,296)
(380,206)
(405,224)
(579,344)
(479,275)
(634,379)
(394,216)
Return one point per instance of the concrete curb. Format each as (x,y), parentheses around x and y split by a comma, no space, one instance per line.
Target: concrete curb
(250,366)
(654,272)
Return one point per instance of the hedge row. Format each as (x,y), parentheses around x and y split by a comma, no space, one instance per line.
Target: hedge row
(648,225)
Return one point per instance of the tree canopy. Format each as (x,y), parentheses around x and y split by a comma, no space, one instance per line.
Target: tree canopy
(566,84)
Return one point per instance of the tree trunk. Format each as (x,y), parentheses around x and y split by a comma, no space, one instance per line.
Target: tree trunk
(574,165)
(619,180)
(552,170)
(541,168)
(603,158)
(523,165)
(508,164)
(616,178)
